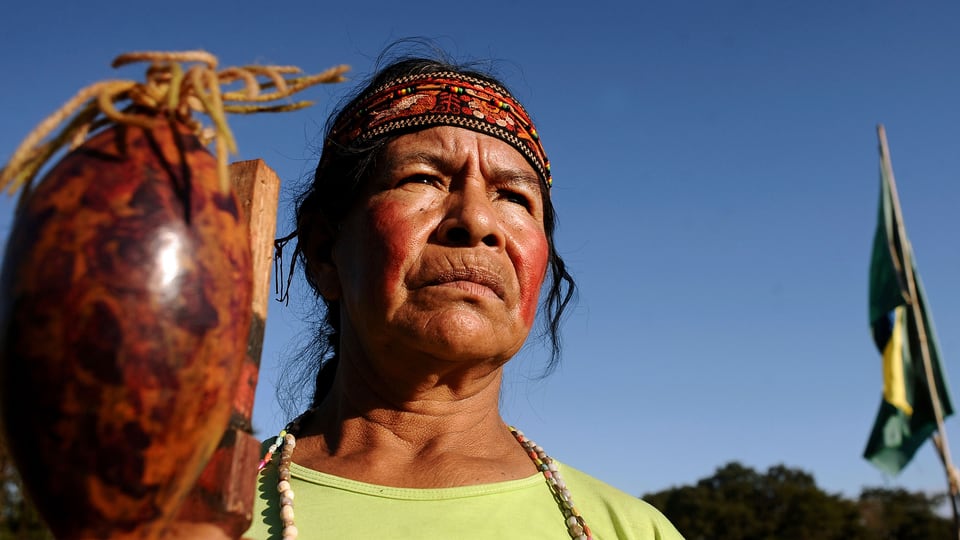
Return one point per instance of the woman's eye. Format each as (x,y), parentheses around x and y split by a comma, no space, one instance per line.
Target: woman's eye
(424,179)
(516,198)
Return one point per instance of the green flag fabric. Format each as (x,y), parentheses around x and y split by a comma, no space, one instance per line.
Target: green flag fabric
(906,418)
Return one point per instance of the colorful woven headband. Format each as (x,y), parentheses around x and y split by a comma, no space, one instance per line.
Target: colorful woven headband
(443,99)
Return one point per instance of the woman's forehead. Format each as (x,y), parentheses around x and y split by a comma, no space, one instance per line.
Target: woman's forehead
(444,146)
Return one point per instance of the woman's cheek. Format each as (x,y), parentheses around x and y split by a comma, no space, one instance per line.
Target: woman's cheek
(533,261)
(395,237)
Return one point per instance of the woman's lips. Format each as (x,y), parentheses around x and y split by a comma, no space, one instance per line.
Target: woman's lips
(479,281)
(475,289)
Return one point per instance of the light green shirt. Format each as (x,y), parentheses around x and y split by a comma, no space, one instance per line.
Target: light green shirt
(327,506)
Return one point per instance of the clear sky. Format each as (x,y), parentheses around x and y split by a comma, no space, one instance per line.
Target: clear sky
(716,178)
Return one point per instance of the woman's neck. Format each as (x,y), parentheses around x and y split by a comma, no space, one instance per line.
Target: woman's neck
(418,433)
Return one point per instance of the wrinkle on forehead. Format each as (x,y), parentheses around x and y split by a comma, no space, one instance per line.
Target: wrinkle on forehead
(443,154)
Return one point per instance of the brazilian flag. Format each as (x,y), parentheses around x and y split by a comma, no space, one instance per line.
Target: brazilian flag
(906,418)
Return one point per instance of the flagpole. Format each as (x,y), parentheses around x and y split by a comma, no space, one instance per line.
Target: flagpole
(940,438)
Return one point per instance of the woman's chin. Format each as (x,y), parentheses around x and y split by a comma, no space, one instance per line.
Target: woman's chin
(464,338)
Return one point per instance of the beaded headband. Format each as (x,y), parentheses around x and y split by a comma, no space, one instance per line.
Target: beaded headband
(443,99)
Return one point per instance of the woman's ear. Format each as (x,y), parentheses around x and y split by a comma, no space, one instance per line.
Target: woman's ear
(316,238)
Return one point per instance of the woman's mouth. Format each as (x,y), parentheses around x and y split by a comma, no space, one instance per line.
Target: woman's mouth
(478,281)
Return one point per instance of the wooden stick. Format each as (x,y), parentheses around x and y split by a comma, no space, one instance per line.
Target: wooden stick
(941,439)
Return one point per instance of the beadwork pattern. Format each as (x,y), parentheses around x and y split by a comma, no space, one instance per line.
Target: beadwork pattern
(287,442)
(443,99)
(576,526)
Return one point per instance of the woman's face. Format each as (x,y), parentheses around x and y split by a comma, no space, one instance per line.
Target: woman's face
(447,254)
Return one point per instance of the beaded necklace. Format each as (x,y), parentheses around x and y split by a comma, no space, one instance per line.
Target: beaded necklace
(286,442)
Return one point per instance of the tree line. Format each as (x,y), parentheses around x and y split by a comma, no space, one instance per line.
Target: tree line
(739,503)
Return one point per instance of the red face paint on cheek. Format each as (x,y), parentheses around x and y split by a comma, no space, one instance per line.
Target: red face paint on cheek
(531,271)
(396,236)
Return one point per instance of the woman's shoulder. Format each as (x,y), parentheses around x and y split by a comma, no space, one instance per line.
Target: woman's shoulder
(613,513)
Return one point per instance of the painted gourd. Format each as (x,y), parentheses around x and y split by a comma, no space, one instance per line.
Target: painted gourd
(124,313)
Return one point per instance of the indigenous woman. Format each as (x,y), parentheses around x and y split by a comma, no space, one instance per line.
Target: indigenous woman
(428,233)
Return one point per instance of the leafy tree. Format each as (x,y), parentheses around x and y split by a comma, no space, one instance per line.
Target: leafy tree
(739,503)
(896,514)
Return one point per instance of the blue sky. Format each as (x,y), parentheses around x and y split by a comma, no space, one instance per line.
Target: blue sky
(716,178)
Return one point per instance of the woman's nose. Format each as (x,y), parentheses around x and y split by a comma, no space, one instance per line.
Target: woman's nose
(471,219)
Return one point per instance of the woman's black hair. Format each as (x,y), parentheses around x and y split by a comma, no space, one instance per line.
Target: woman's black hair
(337,185)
